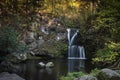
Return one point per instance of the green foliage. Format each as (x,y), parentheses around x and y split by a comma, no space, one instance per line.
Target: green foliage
(94,72)
(107,19)
(57,48)
(108,54)
(107,26)
(66,78)
(75,74)
(10,41)
(71,76)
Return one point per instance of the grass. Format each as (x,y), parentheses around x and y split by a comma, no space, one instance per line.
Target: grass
(71,76)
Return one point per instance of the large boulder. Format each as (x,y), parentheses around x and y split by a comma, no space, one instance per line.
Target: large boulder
(8,76)
(87,77)
(108,74)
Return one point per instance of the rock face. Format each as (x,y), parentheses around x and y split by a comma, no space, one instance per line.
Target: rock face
(87,77)
(44,30)
(107,74)
(7,76)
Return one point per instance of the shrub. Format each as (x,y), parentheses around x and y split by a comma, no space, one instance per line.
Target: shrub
(108,54)
(94,72)
(10,41)
(71,76)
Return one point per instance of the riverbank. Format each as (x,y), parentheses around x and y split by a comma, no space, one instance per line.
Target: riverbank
(103,74)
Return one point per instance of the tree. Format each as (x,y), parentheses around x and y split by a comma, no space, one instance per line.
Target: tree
(107,25)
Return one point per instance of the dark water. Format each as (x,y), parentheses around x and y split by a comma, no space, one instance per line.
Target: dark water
(30,70)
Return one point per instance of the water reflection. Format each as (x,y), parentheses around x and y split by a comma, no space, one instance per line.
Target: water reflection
(30,71)
(75,65)
(46,74)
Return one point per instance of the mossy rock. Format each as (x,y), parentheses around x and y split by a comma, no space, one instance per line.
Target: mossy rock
(107,74)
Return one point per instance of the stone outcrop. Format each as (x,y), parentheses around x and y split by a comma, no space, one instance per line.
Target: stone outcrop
(43,30)
(104,74)
(8,76)
(108,74)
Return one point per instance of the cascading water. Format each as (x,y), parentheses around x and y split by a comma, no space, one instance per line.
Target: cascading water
(74,51)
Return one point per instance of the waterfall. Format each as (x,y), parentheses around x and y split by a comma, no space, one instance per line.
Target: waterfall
(74,51)
(71,39)
(68,30)
(81,52)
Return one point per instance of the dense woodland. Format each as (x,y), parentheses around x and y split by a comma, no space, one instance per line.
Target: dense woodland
(98,22)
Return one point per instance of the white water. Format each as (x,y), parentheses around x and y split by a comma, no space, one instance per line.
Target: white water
(81,52)
(68,30)
(74,51)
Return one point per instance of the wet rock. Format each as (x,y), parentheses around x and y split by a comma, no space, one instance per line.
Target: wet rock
(87,77)
(108,74)
(41,64)
(49,64)
(8,76)
(20,56)
(32,53)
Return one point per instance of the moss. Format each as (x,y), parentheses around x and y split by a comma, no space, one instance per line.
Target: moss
(57,48)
